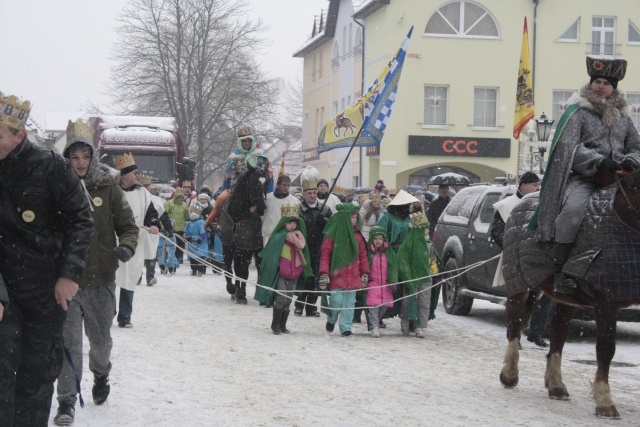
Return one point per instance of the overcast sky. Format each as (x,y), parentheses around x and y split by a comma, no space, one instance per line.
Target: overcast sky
(55,52)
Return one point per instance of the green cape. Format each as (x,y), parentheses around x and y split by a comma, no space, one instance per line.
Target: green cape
(396,229)
(345,244)
(414,256)
(269,271)
(533,223)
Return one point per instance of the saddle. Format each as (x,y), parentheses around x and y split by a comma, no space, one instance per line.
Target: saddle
(245,234)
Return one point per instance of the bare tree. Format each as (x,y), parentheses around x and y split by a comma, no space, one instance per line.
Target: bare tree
(193,60)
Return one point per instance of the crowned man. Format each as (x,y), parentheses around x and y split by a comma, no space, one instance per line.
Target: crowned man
(315,218)
(146,217)
(45,232)
(92,308)
(245,154)
(274,201)
(595,136)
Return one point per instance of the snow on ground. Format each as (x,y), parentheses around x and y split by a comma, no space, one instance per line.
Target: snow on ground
(195,358)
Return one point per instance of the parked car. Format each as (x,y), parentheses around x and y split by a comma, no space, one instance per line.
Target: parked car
(463,237)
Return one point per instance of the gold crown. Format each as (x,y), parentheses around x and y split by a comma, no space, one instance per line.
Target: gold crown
(14,113)
(309,184)
(244,131)
(186,184)
(124,161)
(418,220)
(80,131)
(289,210)
(195,209)
(375,197)
(179,192)
(145,180)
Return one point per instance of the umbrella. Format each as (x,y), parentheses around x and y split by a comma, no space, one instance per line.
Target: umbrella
(362,190)
(412,188)
(449,178)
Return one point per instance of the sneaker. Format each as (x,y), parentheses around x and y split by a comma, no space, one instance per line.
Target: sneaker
(419,332)
(297,312)
(152,282)
(125,325)
(375,333)
(313,314)
(382,325)
(193,272)
(199,274)
(65,416)
(329,327)
(101,389)
(347,334)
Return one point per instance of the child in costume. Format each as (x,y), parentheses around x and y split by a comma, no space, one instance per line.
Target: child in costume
(344,266)
(166,255)
(198,238)
(417,260)
(285,257)
(384,270)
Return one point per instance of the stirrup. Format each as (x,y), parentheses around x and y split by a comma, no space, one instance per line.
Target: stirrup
(564,284)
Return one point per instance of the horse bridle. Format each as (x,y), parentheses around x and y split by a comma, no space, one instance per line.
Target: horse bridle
(626,197)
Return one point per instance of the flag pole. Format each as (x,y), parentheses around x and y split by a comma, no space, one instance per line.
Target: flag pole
(342,167)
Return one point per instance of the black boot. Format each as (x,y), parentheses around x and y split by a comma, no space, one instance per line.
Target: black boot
(277,320)
(65,416)
(101,389)
(283,322)
(562,283)
(231,288)
(241,293)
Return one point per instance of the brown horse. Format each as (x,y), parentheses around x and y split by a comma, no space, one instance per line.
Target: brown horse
(521,247)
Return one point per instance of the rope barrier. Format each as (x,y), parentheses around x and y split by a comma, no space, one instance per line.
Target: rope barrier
(233,277)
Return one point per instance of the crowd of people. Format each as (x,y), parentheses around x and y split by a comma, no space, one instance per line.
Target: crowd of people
(74,230)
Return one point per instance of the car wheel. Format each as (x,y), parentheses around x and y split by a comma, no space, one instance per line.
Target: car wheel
(453,302)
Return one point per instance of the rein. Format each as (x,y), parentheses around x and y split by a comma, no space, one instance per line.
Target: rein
(626,196)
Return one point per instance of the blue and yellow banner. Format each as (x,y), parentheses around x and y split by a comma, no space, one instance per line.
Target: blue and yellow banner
(365,121)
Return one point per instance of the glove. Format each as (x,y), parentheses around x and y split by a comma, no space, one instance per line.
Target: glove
(610,165)
(627,165)
(122,253)
(189,239)
(323,281)
(198,240)
(365,280)
(169,234)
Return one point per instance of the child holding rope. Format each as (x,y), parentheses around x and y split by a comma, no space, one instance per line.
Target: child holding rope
(285,257)
(384,270)
(344,266)
(166,255)
(417,261)
(198,238)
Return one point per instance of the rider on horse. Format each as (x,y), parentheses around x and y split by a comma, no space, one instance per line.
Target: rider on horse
(247,153)
(595,135)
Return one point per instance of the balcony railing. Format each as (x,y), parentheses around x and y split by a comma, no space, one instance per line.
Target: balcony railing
(603,49)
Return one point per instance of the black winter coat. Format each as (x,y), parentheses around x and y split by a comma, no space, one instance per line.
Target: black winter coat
(45,221)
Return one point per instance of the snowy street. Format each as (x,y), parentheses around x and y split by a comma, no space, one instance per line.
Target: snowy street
(195,358)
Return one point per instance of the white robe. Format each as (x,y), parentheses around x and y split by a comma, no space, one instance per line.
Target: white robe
(272,214)
(504,208)
(332,202)
(129,272)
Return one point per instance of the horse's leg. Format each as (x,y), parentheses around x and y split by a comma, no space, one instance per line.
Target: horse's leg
(606,318)
(241,265)
(515,316)
(560,325)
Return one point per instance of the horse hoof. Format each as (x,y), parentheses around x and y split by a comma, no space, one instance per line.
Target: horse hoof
(608,412)
(508,382)
(558,393)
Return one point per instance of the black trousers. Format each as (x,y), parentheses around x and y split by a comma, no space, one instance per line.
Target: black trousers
(31,355)
(309,298)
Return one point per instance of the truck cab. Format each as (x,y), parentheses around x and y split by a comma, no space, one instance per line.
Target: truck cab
(154,142)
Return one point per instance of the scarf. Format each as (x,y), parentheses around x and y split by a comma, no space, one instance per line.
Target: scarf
(297,240)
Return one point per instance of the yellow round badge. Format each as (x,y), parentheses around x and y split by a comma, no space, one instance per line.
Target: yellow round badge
(97,201)
(28,216)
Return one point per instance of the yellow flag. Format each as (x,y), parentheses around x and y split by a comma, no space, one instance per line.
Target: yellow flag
(524,93)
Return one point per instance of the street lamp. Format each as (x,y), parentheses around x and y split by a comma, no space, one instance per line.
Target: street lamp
(543,129)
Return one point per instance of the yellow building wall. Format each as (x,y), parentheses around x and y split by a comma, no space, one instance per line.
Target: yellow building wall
(465,63)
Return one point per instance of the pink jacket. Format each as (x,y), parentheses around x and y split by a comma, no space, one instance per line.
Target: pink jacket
(288,268)
(348,277)
(378,296)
